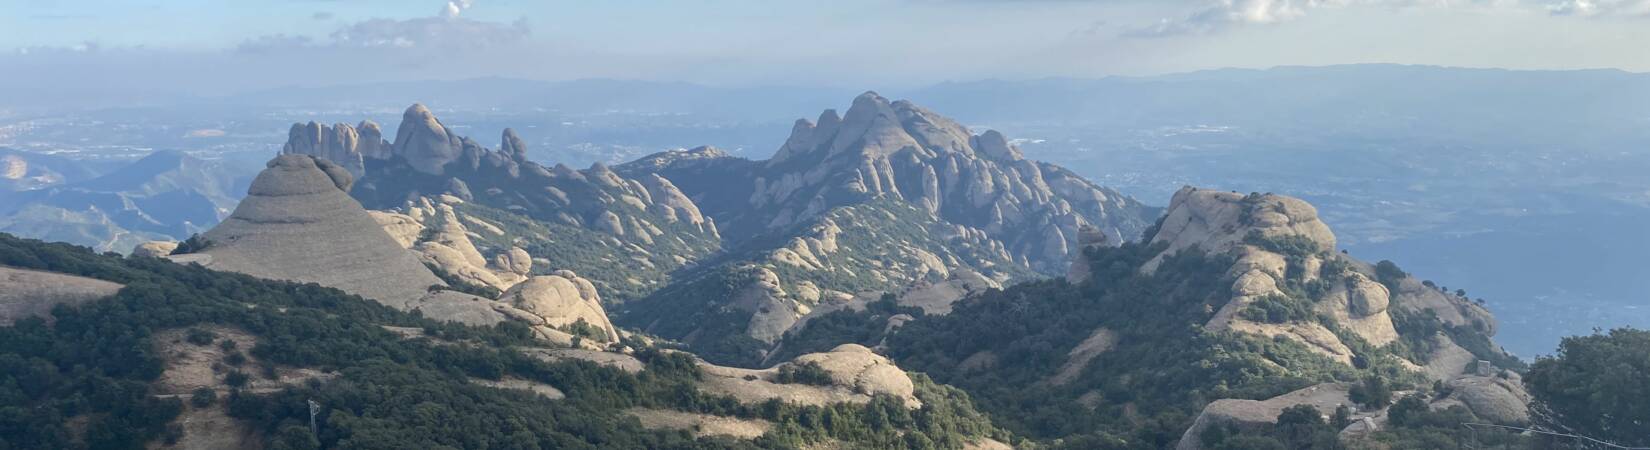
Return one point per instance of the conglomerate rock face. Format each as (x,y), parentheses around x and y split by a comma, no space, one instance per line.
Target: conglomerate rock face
(297,223)
(900,150)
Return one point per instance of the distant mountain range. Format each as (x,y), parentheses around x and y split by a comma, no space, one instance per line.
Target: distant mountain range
(166,195)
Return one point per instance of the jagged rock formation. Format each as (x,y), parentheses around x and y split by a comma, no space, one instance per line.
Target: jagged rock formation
(340,143)
(635,215)
(1250,227)
(439,236)
(1282,253)
(854,203)
(900,150)
(1280,247)
(298,224)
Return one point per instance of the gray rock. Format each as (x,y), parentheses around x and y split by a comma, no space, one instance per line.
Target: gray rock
(513,145)
(424,141)
(296,224)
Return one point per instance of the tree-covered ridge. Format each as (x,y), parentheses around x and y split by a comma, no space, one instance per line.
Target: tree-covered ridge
(84,381)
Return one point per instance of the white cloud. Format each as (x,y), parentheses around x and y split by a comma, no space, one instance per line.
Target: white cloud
(455,7)
(445,31)
(1600,8)
(1221,15)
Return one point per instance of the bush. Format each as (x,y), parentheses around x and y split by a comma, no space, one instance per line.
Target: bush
(198,336)
(1279,309)
(203,397)
(236,379)
(803,373)
(1373,393)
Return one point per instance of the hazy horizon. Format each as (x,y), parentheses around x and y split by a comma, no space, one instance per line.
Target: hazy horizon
(206,48)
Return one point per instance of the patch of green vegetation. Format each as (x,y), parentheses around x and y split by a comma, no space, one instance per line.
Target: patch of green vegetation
(865,327)
(1276,308)
(803,373)
(194,244)
(95,363)
(1595,385)
(585,330)
(1290,245)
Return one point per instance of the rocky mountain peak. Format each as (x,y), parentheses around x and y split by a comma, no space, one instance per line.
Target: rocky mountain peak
(513,145)
(339,143)
(424,141)
(1216,221)
(297,223)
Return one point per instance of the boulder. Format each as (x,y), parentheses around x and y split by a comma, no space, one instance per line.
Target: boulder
(857,367)
(1497,399)
(562,300)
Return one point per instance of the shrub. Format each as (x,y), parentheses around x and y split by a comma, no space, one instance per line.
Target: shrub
(1373,392)
(198,336)
(803,373)
(203,397)
(236,379)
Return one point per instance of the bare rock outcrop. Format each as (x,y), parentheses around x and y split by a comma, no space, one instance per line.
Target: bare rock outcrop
(297,224)
(1253,413)
(155,249)
(425,142)
(1218,221)
(30,293)
(561,301)
(856,374)
(1088,237)
(1500,399)
(853,365)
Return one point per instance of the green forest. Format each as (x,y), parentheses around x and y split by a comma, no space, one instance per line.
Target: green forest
(83,381)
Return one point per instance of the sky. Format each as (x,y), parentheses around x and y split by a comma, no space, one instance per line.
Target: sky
(215,47)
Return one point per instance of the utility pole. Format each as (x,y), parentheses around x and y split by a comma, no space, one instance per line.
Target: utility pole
(314,409)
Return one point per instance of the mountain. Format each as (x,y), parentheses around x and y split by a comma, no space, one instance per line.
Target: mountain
(166,195)
(903,151)
(21,171)
(626,233)
(1234,308)
(888,198)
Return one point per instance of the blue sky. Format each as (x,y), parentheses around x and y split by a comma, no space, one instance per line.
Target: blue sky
(259,43)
